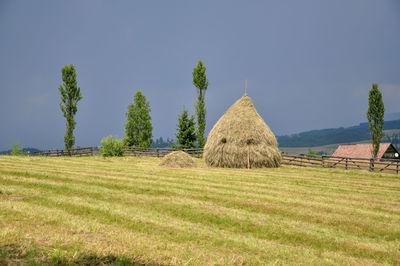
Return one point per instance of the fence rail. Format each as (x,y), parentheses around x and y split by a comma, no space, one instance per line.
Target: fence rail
(159,152)
(86,151)
(373,165)
(127,151)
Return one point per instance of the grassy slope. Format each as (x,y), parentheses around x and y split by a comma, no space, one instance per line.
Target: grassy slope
(76,210)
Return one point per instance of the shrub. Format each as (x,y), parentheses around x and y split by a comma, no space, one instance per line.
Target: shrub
(111,146)
(313,154)
(16,150)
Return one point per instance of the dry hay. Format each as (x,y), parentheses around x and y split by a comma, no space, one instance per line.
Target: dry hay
(241,139)
(178,159)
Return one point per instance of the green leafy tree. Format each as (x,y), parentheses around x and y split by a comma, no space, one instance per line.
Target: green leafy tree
(111,146)
(201,82)
(186,136)
(70,96)
(138,127)
(16,150)
(375,116)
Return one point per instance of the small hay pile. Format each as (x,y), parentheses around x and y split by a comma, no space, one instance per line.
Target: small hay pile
(178,159)
(241,139)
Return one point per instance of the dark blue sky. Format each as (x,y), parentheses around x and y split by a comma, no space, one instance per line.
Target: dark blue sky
(309,64)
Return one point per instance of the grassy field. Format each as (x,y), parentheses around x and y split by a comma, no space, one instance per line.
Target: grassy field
(130,210)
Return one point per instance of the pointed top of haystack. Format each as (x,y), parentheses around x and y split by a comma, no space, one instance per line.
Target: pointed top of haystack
(242,139)
(243,119)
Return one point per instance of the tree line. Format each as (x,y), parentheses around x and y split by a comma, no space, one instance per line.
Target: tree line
(190,132)
(138,126)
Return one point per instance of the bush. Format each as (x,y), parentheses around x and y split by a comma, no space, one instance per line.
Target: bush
(111,146)
(312,154)
(16,150)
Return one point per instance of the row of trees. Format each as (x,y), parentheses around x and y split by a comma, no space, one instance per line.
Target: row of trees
(138,128)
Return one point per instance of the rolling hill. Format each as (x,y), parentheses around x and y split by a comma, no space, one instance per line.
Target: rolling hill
(329,136)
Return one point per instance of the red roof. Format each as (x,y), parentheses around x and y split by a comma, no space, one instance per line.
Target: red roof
(359,150)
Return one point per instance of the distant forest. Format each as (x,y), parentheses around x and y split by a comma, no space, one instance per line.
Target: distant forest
(161,143)
(339,135)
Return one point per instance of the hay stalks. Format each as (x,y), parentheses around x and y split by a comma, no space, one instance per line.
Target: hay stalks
(178,159)
(241,139)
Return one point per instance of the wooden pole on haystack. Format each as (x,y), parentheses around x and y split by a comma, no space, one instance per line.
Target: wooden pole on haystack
(248,156)
(248,146)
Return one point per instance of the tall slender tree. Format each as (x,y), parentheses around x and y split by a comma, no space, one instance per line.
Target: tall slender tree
(70,96)
(138,127)
(375,116)
(201,82)
(185,135)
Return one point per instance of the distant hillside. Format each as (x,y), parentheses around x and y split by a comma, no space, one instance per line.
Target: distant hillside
(336,135)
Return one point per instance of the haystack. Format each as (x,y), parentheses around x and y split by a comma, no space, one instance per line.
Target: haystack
(178,159)
(241,139)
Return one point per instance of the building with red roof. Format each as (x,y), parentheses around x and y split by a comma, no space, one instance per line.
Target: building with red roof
(364,151)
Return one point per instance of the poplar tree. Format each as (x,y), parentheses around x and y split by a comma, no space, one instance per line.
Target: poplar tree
(185,135)
(201,82)
(138,127)
(70,96)
(375,116)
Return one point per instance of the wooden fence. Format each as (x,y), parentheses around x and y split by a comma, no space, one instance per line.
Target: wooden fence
(159,152)
(127,151)
(373,165)
(87,151)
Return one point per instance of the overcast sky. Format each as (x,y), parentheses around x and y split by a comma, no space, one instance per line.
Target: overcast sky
(309,64)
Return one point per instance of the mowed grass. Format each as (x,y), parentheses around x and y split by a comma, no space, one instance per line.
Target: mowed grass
(130,210)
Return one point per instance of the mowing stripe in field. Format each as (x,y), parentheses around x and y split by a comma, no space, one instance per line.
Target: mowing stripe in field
(105,213)
(256,215)
(270,203)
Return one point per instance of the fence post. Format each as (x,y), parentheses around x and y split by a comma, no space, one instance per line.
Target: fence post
(371,164)
(323,162)
(397,167)
(346,162)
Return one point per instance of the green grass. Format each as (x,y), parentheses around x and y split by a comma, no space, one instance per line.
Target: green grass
(124,211)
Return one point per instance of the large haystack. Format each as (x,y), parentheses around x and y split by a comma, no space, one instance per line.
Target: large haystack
(178,159)
(241,139)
